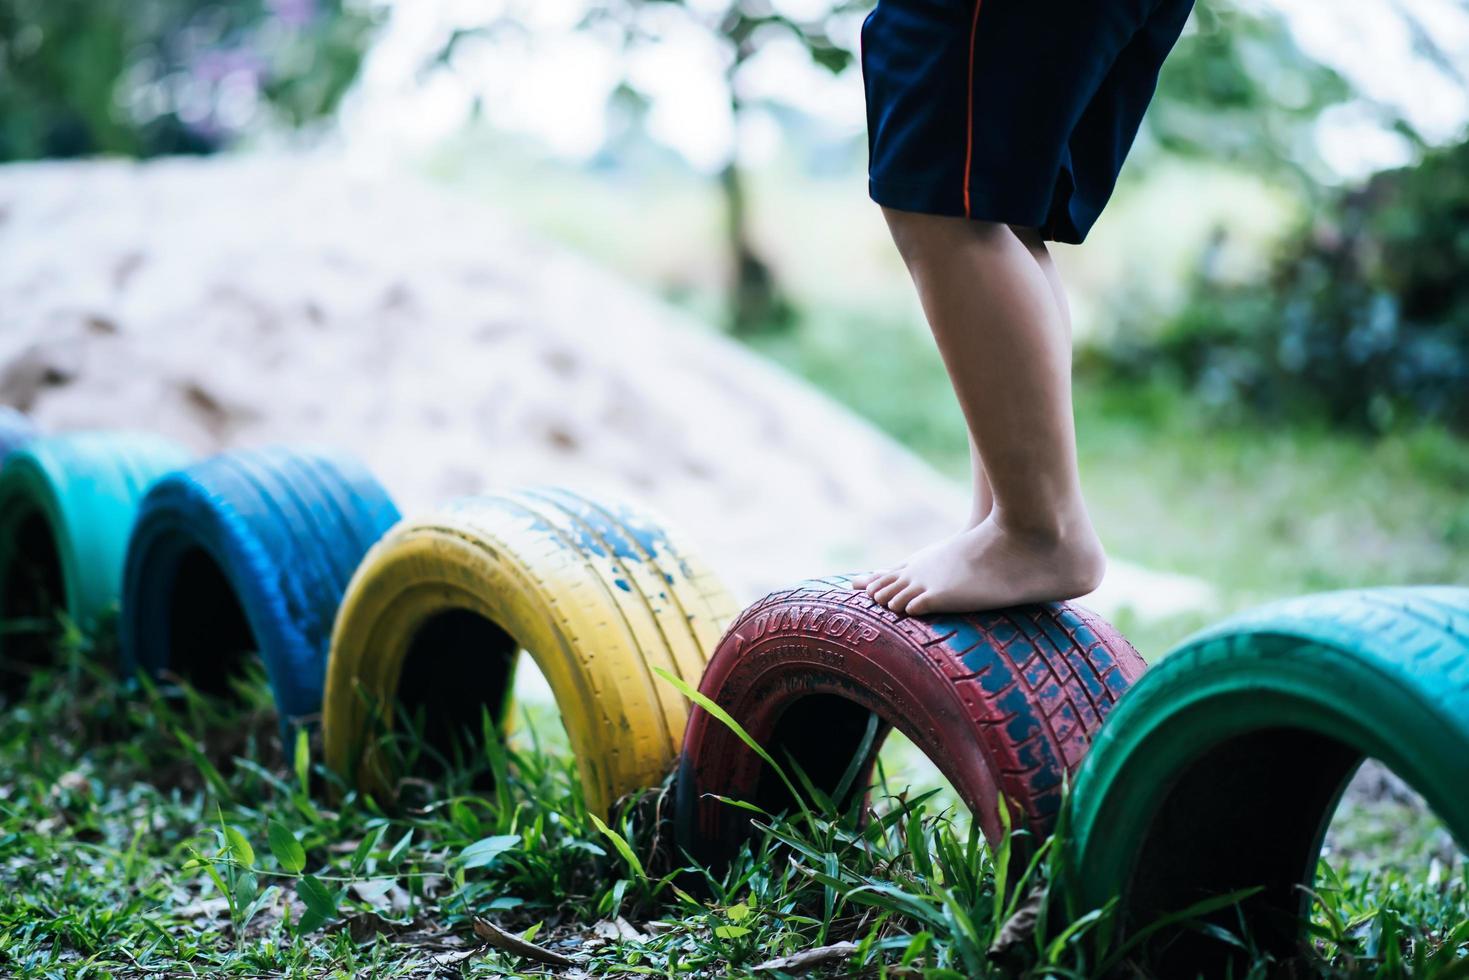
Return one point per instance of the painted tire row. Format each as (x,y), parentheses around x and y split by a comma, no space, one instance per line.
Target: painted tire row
(1216,770)
(300,557)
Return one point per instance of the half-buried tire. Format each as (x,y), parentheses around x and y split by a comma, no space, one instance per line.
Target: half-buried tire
(16,429)
(1004,703)
(1221,770)
(67,505)
(247,552)
(597,594)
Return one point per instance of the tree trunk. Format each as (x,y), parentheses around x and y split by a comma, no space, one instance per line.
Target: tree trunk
(757,303)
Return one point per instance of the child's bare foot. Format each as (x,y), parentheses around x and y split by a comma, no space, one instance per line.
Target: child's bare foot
(991,567)
(861,582)
(976,516)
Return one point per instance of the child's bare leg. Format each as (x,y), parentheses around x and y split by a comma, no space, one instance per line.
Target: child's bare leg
(1004,338)
(983,498)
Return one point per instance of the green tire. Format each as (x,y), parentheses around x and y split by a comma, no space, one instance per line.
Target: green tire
(67,505)
(1221,768)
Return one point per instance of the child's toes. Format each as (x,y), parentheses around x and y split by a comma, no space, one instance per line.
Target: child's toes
(865,581)
(880,582)
(919,604)
(903,601)
(886,592)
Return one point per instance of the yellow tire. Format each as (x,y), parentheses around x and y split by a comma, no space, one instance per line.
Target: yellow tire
(598,594)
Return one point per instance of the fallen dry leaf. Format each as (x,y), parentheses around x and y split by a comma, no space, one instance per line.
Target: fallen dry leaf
(806,959)
(383,895)
(74,782)
(1021,926)
(512,943)
(362,926)
(209,908)
(618,930)
(450,959)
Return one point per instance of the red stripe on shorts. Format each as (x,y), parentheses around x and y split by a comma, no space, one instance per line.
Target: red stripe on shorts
(969,122)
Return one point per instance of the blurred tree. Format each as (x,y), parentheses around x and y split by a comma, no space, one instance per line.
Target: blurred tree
(145,77)
(757,303)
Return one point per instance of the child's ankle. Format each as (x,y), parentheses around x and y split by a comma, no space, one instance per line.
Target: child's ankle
(1066,525)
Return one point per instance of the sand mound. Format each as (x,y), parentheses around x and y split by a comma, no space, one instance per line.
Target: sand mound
(247,300)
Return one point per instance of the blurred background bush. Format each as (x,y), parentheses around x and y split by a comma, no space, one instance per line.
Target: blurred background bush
(1361,321)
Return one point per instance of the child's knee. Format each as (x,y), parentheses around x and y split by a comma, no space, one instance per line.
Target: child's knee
(918,235)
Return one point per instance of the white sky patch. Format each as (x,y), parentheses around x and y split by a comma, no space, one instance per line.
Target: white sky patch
(559,91)
(683,73)
(804,10)
(760,138)
(1372,47)
(782,71)
(1353,142)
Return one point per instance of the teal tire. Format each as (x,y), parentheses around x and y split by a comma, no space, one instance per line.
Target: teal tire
(1220,770)
(67,505)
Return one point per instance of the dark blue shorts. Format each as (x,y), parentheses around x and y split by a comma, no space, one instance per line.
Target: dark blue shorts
(1017,111)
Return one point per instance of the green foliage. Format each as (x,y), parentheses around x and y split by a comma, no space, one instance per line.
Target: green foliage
(146,77)
(1362,321)
(122,854)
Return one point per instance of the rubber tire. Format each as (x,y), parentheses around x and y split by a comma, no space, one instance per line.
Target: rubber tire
(598,594)
(244,552)
(1223,766)
(16,429)
(1002,702)
(75,496)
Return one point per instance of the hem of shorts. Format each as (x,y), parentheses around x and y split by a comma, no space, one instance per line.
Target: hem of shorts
(926,197)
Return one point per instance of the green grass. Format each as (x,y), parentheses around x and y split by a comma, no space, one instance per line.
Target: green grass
(150,831)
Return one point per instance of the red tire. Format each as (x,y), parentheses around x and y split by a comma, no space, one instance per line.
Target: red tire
(1003,702)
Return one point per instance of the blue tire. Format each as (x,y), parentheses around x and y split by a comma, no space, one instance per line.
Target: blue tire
(248,552)
(16,429)
(67,505)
